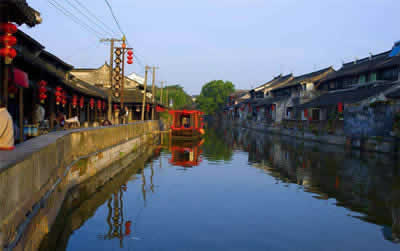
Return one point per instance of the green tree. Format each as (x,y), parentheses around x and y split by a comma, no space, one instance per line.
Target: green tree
(213,95)
(177,96)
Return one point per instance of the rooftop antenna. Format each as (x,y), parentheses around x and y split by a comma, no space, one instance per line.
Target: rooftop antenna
(355,60)
(370,55)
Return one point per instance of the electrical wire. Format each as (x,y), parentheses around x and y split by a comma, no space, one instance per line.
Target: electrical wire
(75,19)
(122,32)
(88,18)
(115,17)
(95,17)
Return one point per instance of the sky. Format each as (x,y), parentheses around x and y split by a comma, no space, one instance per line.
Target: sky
(247,42)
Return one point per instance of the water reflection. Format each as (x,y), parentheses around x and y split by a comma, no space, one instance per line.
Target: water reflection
(246,199)
(186,154)
(366,183)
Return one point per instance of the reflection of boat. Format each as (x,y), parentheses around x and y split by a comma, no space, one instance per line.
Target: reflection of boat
(186,124)
(186,154)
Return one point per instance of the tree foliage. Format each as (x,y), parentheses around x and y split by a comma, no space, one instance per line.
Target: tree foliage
(177,96)
(214,94)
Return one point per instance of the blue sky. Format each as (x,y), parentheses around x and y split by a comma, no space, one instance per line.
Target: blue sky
(244,41)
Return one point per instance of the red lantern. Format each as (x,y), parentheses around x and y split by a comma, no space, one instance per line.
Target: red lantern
(306,113)
(130,52)
(147,107)
(58,95)
(272,107)
(128,228)
(12,90)
(8,52)
(8,28)
(74,101)
(115,107)
(81,102)
(340,107)
(8,41)
(64,98)
(91,103)
(99,105)
(42,91)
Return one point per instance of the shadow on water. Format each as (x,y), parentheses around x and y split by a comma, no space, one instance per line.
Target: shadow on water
(366,183)
(83,201)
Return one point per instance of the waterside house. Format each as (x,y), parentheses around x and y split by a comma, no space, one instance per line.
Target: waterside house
(359,99)
(282,100)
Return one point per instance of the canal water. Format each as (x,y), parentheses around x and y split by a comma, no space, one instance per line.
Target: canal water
(238,190)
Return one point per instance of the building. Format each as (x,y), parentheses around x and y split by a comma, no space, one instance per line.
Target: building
(299,90)
(100,77)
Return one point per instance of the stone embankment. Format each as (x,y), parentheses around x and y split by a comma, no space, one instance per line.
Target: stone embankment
(372,144)
(42,171)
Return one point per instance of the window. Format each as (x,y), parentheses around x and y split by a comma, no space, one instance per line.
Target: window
(362,79)
(332,85)
(389,74)
(315,114)
(372,77)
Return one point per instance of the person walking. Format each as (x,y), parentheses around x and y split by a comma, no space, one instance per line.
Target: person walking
(6,129)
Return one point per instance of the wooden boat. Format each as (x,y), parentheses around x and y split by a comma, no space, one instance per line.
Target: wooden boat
(186,124)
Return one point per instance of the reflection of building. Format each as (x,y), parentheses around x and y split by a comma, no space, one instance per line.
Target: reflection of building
(186,154)
(371,188)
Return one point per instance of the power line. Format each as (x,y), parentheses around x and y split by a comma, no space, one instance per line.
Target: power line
(95,17)
(122,32)
(75,19)
(115,17)
(87,17)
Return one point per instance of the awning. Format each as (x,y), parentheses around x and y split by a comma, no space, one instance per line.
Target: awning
(19,77)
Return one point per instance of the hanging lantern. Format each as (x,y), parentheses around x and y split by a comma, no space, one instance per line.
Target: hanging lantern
(340,107)
(58,95)
(64,98)
(147,107)
(74,101)
(12,91)
(8,41)
(115,107)
(130,57)
(91,103)
(272,107)
(99,105)
(305,113)
(137,108)
(123,45)
(42,91)
(81,102)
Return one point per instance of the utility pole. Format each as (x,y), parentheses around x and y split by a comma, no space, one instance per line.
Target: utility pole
(161,94)
(144,93)
(153,91)
(111,40)
(167,96)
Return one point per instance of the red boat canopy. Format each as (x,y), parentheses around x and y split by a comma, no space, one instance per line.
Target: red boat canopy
(186,112)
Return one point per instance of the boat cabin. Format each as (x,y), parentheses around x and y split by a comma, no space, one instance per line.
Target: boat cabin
(187,123)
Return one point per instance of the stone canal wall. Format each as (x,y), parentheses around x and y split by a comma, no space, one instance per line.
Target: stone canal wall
(31,174)
(373,144)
